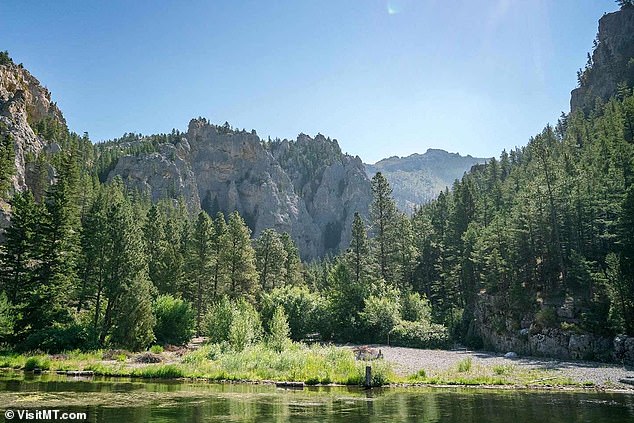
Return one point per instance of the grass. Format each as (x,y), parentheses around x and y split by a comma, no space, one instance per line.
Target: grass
(298,363)
(465,365)
(468,374)
(312,365)
(156,349)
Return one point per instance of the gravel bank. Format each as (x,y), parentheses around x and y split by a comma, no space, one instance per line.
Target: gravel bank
(409,360)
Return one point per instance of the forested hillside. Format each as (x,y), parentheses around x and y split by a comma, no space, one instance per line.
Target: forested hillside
(418,178)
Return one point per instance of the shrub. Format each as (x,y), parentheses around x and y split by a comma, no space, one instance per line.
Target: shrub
(174,320)
(416,308)
(59,338)
(380,315)
(546,317)
(156,349)
(218,321)
(419,335)
(33,363)
(305,310)
(246,328)
(502,369)
(278,330)
(465,365)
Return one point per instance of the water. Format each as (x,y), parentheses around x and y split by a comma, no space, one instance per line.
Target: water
(125,400)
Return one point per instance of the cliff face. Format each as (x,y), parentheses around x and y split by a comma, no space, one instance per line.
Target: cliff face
(23,104)
(612,61)
(307,188)
(418,178)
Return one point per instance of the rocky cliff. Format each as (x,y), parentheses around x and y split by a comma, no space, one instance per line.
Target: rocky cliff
(24,104)
(418,178)
(611,63)
(306,187)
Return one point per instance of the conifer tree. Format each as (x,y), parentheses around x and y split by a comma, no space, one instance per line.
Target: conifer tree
(358,255)
(383,218)
(270,258)
(239,258)
(201,263)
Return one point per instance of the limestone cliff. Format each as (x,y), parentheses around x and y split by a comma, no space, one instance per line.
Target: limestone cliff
(611,63)
(307,187)
(24,103)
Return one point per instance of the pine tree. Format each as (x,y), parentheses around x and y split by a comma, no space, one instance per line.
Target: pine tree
(127,320)
(156,246)
(383,217)
(292,263)
(201,263)
(239,257)
(358,254)
(7,161)
(270,259)
(18,256)
(220,244)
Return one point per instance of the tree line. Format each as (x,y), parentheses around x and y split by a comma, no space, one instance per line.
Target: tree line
(540,238)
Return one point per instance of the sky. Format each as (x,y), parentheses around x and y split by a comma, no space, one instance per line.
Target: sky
(384,78)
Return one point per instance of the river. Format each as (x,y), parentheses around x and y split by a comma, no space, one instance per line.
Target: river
(127,400)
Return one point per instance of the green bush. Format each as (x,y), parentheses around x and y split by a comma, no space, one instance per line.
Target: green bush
(465,365)
(547,318)
(156,349)
(419,335)
(380,315)
(33,363)
(415,308)
(305,310)
(59,338)
(174,320)
(278,330)
(246,327)
(217,321)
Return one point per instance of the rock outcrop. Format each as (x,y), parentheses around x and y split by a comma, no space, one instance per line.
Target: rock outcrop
(612,61)
(307,187)
(24,103)
(417,179)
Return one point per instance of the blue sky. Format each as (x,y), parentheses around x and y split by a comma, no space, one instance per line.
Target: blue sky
(383,77)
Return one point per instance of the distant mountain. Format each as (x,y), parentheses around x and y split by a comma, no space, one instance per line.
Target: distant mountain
(418,178)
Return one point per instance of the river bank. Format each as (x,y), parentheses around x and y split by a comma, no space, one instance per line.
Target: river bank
(330,365)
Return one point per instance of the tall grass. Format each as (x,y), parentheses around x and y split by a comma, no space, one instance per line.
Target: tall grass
(464,365)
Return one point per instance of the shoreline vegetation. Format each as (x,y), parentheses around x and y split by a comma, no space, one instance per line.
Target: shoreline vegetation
(298,365)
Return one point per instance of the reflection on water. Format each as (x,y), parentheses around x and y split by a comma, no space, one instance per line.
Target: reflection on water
(124,400)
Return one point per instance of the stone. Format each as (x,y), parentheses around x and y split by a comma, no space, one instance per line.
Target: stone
(510,354)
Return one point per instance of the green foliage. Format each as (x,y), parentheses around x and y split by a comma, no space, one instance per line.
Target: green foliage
(7,318)
(217,322)
(270,258)
(381,314)
(33,363)
(5,59)
(174,320)
(384,217)
(465,365)
(415,308)
(7,160)
(239,258)
(246,327)
(306,311)
(279,330)
(419,335)
(201,261)
(156,349)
